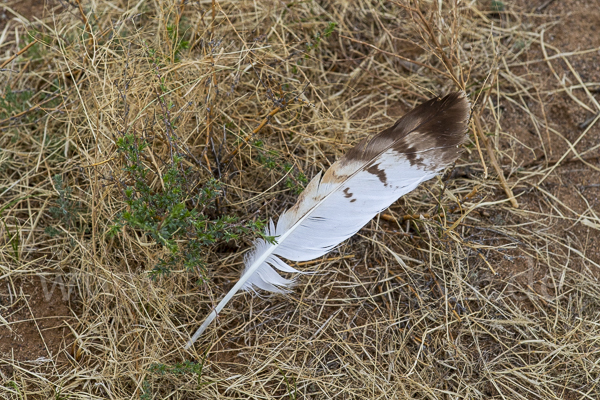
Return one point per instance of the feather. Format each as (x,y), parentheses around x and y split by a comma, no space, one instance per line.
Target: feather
(364,182)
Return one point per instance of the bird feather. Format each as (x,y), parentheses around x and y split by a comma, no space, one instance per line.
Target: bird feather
(365,181)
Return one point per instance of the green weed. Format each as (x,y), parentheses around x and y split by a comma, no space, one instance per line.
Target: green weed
(295,180)
(317,38)
(13,102)
(180,215)
(180,369)
(292,392)
(179,44)
(66,211)
(497,6)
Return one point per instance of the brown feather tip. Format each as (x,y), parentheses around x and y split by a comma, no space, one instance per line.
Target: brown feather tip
(429,135)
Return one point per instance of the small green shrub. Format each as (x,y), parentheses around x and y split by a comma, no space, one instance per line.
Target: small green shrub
(497,6)
(180,215)
(13,102)
(295,181)
(66,210)
(317,38)
(179,44)
(157,371)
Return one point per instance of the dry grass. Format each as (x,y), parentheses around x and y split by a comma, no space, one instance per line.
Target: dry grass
(484,300)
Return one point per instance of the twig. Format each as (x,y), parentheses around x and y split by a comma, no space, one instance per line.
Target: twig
(494,161)
(255,131)
(485,169)
(399,56)
(88,28)
(588,121)
(24,49)
(445,58)
(548,163)
(541,7)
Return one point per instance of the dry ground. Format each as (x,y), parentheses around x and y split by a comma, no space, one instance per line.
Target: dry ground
(495,296)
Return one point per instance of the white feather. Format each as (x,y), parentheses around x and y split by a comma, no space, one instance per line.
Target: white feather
(335,206)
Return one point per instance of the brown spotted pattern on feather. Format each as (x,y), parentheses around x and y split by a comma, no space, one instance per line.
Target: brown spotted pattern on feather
(380,173)
(428,136)
(433,131)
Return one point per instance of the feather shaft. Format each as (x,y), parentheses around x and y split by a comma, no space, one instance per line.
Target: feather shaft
(213,314)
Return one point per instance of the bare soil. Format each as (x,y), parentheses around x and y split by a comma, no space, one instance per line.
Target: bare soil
(37,314)
(573,27)
(27,9)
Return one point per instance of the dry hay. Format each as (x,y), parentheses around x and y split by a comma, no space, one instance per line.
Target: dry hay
(483,300)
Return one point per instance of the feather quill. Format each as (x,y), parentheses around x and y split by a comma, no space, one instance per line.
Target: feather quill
(364,182)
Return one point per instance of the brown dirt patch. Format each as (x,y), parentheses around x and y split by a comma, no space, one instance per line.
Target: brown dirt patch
(24,8)
(37,313)
(572,187)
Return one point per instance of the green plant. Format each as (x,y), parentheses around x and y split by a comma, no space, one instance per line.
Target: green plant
(292,392)
(13,102)
(39,49)
(184,368)
(179,43)
(497,6)
(146,391)
(181,214)
(295,181)
(13,388)
(13,238)
(66,211)
(317,38)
